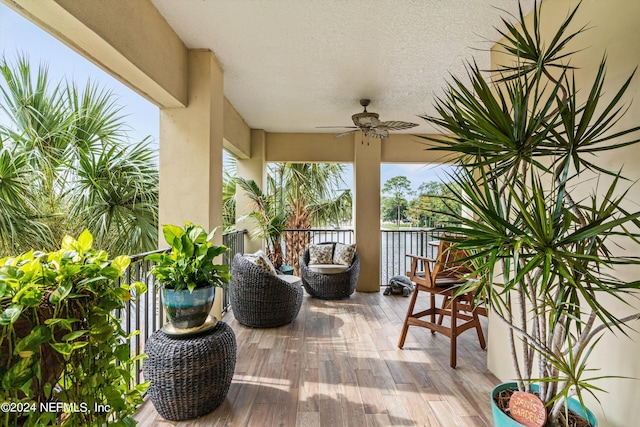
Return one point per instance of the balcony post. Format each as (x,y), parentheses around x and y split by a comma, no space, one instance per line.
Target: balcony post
(191,141)
(366,179)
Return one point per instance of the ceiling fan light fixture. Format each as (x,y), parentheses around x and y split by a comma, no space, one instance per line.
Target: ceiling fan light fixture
(371,126)
(366,119)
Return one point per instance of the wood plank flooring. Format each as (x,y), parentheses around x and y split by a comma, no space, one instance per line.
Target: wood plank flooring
(338,364)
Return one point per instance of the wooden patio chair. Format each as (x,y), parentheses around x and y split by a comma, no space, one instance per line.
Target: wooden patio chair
(445,278)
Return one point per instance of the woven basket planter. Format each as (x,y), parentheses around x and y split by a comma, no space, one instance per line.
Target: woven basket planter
(51,362)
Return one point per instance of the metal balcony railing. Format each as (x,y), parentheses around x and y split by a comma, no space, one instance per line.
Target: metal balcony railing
(396,244)
(235,242)
(320,235)
(146,313)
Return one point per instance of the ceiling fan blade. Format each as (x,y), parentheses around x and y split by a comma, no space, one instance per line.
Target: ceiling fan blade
(396,125)
(370,125)
(336,127)
(340,135)
(377,132)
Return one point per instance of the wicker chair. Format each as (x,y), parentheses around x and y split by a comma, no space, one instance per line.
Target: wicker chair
(329,286)
(260,299)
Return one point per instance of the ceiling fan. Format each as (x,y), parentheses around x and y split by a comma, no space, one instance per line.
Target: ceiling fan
(370,124)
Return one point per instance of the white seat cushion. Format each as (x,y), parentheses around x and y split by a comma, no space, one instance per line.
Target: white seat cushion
(328,268)
(294,280)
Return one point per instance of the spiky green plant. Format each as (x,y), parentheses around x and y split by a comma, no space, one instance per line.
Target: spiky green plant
(67,164)
(271,221)
(229,173)
(542,257)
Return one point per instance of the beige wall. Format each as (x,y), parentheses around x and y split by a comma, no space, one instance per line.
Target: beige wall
(237,134)
(613,29)
(191,149)
(308,147)
(323,147)
(404,148)
(366,215)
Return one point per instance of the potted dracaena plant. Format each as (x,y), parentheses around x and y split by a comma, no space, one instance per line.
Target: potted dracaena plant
(187,275)
(540,232)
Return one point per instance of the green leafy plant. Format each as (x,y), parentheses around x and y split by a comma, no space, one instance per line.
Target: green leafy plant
(59,328)
(541,254)
(189,264)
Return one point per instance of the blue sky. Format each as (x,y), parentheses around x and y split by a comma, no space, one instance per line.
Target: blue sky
(18,36)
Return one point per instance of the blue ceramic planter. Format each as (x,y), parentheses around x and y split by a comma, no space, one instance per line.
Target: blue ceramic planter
(186,309)
(500,419)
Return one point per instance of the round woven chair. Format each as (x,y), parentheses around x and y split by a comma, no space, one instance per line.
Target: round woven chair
(329,286)
(260,299)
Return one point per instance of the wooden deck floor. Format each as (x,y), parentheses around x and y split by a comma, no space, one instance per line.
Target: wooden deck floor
(338,364)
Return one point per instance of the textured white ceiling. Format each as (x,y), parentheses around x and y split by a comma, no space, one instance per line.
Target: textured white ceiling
(293,65)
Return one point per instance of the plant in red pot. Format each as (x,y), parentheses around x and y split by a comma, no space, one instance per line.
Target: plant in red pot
(548,217)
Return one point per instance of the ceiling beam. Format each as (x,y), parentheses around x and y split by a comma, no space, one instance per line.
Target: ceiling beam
(130,40)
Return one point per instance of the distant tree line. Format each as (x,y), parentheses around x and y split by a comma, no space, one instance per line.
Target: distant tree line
(429,206)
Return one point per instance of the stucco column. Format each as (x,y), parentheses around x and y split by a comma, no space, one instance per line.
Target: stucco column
(251,168)
(366,178)
(191,142)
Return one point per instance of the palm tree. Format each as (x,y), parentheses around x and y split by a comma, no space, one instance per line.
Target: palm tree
(68,154)
(314,195)
(271,221)
(298,197)
(115,197)
(17,222)
(229,173)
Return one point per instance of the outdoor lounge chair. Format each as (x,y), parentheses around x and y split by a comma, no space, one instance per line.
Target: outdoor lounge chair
(329,281)
(260,299)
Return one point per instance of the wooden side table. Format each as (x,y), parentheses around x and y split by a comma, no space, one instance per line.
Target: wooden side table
(190,376)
